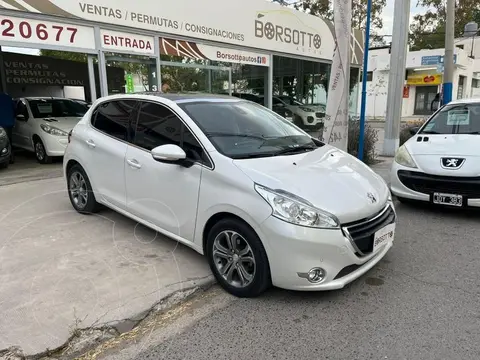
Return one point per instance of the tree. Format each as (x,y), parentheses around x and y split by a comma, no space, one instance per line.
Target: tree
(324,9)
(427,30)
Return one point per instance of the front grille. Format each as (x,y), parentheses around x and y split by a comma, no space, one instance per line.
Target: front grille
(363,231)
(427,184)
(320,114)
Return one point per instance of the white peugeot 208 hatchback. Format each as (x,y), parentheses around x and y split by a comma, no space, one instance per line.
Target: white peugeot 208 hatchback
(265,202)
(440,164)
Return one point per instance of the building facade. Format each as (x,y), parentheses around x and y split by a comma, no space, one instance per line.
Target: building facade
(423,79)
(218,46)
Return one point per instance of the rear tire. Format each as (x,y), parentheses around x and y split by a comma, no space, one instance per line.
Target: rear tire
(237,258)
(41,153)
(80,191)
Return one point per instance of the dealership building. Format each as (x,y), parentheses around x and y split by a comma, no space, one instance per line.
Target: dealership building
(223,46)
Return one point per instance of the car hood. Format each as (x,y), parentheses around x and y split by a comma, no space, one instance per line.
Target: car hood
(330,179)
(315,108)
(63,123)
(428,151)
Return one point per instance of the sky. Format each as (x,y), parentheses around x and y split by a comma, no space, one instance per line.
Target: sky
(388,15)
(387,23)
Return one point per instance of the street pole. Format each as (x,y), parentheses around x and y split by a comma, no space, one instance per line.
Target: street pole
(448,58)
(361,139)
(396,79)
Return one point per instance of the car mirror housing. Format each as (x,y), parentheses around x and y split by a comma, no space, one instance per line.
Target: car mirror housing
(168,153)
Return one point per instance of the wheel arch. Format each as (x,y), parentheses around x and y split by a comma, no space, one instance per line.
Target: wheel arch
(72,162)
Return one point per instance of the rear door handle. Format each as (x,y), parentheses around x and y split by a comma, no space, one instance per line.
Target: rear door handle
(134,163)
(90,143)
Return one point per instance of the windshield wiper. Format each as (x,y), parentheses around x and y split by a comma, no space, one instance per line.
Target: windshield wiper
(221,134)
(296,149)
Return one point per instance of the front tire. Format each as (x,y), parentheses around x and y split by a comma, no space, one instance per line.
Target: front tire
(237,258)
(41,153)
(80,191)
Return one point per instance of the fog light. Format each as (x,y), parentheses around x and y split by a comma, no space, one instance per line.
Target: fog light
(316,275)
(4,150)
(310,119)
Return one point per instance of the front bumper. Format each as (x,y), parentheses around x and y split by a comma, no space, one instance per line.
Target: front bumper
(294,250)
(55,145)
(417,185)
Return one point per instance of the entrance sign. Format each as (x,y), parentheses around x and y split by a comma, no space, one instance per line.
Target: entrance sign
(121,41)
(335,131)
(35,32)
(205,52)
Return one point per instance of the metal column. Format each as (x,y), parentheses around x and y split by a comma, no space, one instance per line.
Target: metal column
(157,62)
(91,78)
(448,59)
(102,65)
(396,77)
(270,83)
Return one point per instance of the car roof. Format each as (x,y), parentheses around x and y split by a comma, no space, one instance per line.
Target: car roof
(465,101)
(177,97)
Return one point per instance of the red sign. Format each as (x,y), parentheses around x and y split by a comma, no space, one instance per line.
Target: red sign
(406,92)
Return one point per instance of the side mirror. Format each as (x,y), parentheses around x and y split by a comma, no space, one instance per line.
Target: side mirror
(170,153)
(414,130)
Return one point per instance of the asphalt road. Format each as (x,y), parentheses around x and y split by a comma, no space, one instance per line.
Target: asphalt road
(420,302)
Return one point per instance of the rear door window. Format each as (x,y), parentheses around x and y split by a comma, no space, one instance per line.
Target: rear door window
(114,118)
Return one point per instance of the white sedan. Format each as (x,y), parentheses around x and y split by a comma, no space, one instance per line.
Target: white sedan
(43,123)
(440,164)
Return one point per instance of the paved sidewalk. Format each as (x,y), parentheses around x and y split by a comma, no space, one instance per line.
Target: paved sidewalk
(60,270)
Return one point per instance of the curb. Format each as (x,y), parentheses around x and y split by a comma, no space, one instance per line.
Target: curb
(83,340)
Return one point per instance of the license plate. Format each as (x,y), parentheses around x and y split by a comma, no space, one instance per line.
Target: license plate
(383,235)
(447,199)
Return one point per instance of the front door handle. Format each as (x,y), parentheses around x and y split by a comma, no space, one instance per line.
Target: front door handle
(134,163)
(90,143)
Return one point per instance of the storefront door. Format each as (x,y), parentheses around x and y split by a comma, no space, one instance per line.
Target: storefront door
(181,77)
(424,96)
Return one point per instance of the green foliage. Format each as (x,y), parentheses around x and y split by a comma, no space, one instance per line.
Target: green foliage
(370,139)
(427,30)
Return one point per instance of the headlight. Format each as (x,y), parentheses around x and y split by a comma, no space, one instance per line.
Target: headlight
(3,133)
(53,130)
(306,109)
(403,157)
(295,210)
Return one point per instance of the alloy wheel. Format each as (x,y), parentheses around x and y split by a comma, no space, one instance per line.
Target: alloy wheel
(78,190)
(40,151)
(234,259)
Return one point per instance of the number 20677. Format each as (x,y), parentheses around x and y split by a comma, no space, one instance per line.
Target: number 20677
(20,30)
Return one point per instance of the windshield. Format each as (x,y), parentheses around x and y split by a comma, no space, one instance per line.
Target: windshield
(43,108)
(454,119)
(245,130)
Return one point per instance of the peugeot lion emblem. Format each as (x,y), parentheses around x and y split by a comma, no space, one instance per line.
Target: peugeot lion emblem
(372,197)
(452,163)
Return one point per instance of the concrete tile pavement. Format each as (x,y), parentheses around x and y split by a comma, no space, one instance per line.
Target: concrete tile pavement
(60,270)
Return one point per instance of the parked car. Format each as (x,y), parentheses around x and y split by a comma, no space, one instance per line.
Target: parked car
(279,109)
(82,102)
(43,123)
(308,117)
(440,163)
(265,202)
(5,149)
